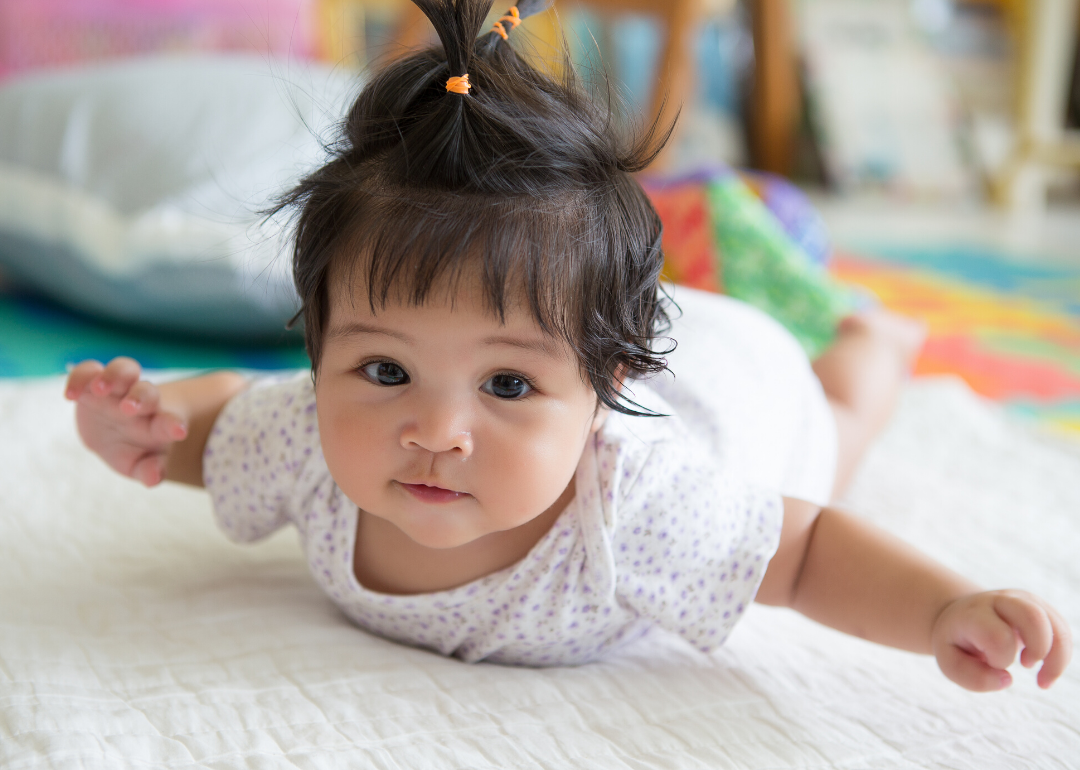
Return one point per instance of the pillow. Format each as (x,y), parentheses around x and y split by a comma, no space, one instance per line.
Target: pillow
(130,191)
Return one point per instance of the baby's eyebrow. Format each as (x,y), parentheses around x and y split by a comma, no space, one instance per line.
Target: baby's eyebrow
(359,327)
(541,346)
(352,328)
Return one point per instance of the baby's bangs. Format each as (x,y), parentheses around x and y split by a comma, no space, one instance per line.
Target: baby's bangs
(527,252)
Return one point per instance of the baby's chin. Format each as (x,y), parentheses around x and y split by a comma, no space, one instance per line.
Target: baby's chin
(441,531)
(441,541)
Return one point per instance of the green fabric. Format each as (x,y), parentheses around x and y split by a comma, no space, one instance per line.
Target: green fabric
(761,265)
(39,338)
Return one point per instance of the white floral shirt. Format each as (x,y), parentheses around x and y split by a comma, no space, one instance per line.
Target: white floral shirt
(658,533)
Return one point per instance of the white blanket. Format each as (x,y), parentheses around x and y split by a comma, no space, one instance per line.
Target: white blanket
(133,635)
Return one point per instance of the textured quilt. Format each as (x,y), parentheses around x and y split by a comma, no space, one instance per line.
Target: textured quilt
(133,635)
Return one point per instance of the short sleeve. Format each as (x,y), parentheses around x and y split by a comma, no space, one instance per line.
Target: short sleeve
(257,449)
(692,545)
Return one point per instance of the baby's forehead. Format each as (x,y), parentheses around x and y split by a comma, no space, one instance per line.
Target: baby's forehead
(350,292)
(464,303)
(369,284)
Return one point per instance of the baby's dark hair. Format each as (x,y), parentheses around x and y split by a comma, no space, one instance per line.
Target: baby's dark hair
(524,182)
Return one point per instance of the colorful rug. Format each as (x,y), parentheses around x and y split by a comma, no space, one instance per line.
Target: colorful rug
(1010,329)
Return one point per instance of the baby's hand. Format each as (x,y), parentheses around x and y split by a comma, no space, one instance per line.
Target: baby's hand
(976,638)
(119,417)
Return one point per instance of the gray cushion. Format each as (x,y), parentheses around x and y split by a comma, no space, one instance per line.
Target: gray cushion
(131,191)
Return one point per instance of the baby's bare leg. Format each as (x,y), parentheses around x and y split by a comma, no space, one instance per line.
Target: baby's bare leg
(862,374)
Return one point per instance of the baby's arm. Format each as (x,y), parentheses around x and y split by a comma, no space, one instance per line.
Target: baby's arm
(847,574)
(144,431)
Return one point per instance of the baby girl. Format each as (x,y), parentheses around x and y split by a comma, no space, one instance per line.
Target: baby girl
(499,453)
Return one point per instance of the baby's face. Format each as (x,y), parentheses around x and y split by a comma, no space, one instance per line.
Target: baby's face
(444,421)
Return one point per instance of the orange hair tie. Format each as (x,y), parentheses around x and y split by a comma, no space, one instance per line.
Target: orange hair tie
(512,17)
(458,85)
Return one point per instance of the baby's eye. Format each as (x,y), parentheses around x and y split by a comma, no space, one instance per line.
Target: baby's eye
(507,386)
(384,373)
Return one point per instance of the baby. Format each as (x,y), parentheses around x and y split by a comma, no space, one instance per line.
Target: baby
(491,457)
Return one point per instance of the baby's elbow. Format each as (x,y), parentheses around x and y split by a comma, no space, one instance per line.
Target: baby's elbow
(780,586)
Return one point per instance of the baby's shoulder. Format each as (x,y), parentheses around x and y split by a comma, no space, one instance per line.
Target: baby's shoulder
(261,456)
(641,459)
(627,444)
(284,404)
(655,469)
(269,430)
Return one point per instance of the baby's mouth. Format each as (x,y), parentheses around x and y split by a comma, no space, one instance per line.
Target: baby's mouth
(429,494)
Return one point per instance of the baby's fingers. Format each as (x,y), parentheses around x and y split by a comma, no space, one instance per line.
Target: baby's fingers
(119,376)
(990,638)
(81,376)
(1060,654)
(1027,616)
(974,644)
(1043,631)
(141,399)
(149,469)
(971,672)
(166,427)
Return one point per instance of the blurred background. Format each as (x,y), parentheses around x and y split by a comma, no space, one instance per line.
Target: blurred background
(927,151)
(917,99)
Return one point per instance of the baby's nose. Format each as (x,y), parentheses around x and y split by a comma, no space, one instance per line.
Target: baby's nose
(439,426)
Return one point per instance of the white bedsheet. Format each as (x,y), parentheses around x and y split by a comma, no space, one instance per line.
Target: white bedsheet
(133,635)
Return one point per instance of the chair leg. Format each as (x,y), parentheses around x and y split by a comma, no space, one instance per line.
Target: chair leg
(775,105)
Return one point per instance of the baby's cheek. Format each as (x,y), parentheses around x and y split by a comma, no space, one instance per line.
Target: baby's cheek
(530,476)
(352,453)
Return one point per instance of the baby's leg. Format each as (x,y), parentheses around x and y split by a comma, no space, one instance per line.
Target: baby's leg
(862,373)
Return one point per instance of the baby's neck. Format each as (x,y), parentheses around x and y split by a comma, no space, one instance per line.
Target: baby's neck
(388,561)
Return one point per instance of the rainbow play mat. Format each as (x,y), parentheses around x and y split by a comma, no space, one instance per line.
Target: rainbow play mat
(1010,329)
